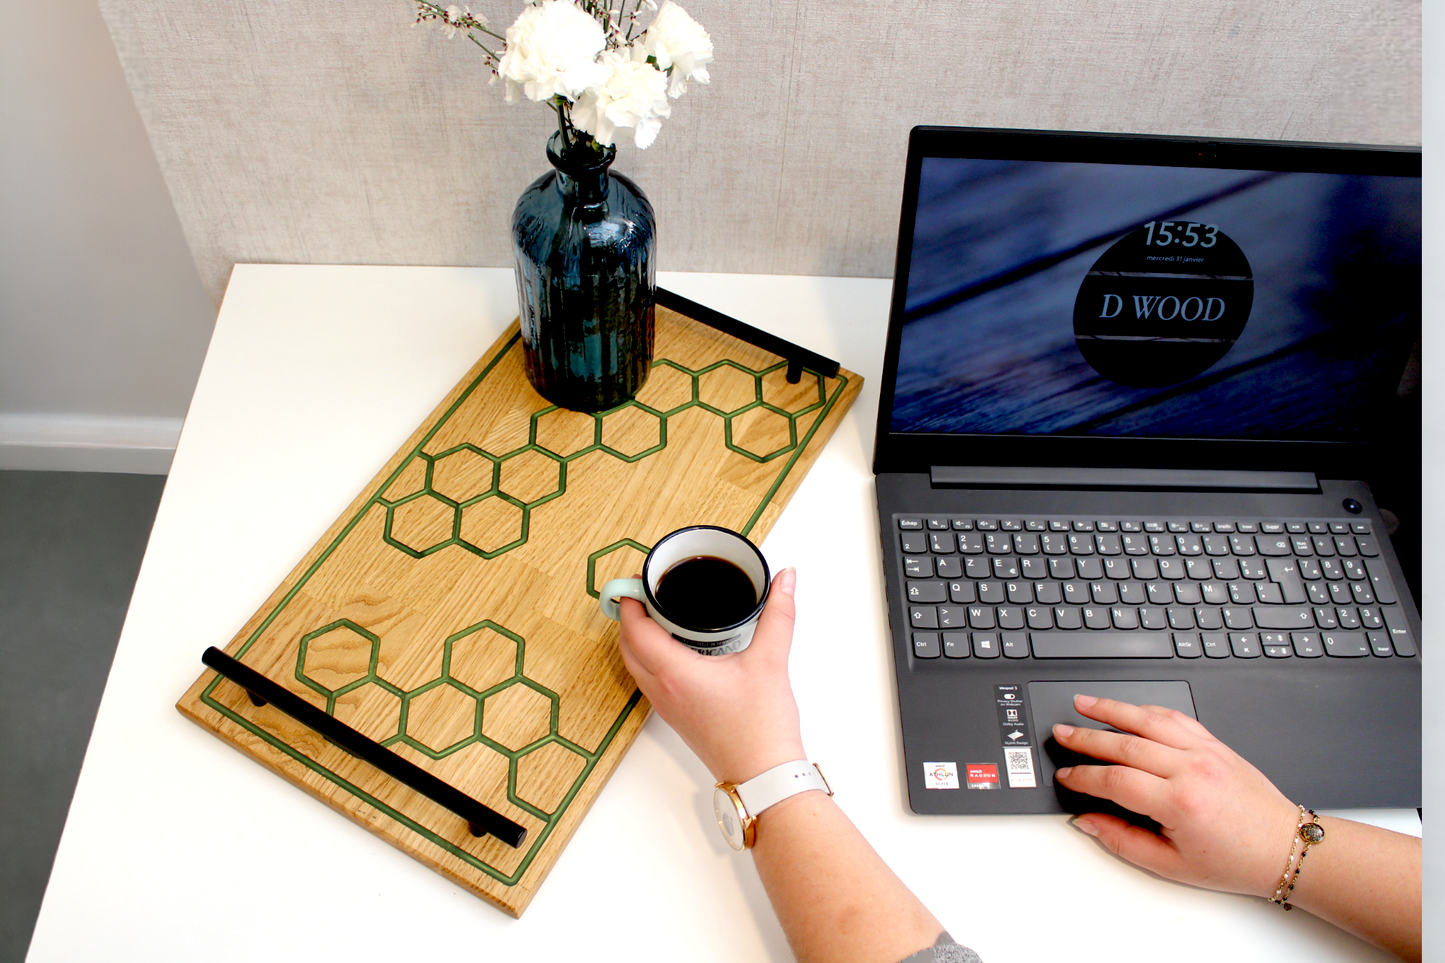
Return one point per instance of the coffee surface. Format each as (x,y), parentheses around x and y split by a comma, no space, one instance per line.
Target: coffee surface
(705,592)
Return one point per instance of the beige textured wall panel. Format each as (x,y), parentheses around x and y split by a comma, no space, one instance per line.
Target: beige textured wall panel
(336,133)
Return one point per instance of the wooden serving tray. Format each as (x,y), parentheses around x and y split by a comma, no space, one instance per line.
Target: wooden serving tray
(451,613)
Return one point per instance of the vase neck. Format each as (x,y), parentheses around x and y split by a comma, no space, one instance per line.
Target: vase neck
(583,167)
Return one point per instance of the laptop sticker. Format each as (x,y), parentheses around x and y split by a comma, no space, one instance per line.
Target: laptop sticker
(982,775)
(940,775)
(1018,743)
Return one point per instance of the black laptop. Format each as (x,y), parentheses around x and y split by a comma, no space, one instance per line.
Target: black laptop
(1132,390)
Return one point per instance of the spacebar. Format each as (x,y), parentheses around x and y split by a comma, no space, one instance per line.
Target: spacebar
(1102,645)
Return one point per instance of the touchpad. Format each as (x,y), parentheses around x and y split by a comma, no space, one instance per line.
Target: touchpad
(1053,702)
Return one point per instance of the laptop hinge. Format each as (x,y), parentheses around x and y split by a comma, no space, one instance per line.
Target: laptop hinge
(1126,479)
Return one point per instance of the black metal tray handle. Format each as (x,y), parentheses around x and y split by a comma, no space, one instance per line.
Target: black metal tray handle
(481,819)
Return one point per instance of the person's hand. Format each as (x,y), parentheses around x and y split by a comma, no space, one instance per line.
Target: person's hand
(737,711)
(1223,825)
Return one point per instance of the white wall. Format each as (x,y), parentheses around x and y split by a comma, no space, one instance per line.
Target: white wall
(302,132)
(103,319)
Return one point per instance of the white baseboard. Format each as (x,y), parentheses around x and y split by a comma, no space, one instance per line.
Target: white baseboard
(47,442)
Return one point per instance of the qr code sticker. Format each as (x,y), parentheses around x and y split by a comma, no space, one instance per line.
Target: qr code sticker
(1020,766)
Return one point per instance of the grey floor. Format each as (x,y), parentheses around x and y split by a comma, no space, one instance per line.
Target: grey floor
(70,548)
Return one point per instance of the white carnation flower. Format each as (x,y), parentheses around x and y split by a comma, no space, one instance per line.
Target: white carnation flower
(634,95)
(552,50)
(680,45)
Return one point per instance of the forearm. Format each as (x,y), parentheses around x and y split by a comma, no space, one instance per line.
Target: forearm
(847,906)
(1365,880)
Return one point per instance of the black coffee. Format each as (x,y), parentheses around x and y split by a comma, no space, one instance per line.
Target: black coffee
(706,592)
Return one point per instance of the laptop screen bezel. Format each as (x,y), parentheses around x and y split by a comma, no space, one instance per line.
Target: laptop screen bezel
(919,451)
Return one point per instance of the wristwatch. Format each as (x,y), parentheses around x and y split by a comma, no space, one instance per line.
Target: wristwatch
(738,806)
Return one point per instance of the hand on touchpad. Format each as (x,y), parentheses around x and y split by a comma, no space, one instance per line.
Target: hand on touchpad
(1053,702)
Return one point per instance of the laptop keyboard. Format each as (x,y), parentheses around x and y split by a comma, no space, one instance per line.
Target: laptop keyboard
(1092,588)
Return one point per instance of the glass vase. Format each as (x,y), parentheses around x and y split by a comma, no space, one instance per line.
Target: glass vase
(583,240)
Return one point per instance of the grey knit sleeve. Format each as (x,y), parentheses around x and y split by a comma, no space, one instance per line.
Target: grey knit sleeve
(944,951)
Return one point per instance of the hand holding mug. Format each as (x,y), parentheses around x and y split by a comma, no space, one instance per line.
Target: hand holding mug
(736,711)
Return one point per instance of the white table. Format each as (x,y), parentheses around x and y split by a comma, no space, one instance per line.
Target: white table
(178,848)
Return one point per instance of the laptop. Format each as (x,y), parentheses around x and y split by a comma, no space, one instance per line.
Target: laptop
(1131,392)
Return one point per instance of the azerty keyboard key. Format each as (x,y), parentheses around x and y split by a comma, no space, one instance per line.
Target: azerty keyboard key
(1102,645)
(1186,645)
(925,592)
(918,567)
(1244,645)
(1253,568)
(949,566)
(952,617)
(962,593)
(914,543)
(925,645)
(985,645)
(942,543)
(1033,568)
(1346,645)
(955,645)
(1307,645)
(1380,581)
(1216,644)
(1208,618)
(910,524)
(1399,631)
(1380,644)
(1005,568)
(1283,617)
(1273,544)
(1015,645)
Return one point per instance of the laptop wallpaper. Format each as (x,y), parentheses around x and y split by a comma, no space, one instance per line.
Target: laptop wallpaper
(1095,299)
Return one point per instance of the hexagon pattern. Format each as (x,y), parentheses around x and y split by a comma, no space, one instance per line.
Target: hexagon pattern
(481,702)
(480,500)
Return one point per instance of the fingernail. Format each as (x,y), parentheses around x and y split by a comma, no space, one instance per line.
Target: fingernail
(1063,773)
(1063,729)
(1084,701)
(1084,825)
(787,579)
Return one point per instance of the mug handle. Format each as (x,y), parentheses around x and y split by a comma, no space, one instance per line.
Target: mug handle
(620,588)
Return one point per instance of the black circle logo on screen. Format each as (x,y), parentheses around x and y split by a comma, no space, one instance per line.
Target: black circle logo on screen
(1163,304)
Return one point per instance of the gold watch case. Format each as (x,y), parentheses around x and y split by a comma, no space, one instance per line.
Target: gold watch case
(732,818)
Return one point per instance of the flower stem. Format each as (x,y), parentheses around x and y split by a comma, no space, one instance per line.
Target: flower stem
(562,123)
(494,58)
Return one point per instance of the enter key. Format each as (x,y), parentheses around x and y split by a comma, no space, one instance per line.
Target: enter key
(1284,572)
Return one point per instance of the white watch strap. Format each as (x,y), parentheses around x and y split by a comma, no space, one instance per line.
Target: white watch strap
(780,782)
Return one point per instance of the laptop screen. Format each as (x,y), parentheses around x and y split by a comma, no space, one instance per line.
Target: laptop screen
(1054,297)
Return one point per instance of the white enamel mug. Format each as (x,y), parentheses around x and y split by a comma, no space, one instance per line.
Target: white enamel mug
(679,546)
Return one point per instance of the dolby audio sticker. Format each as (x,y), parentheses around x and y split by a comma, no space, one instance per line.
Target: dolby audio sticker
(1163,304)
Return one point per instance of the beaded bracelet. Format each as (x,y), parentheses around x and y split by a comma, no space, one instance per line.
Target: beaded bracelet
(1309,831)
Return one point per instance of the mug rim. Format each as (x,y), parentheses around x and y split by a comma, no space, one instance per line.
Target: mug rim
(762,596)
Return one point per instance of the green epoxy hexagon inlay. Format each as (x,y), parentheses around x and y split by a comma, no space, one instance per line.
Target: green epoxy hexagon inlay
(483,665)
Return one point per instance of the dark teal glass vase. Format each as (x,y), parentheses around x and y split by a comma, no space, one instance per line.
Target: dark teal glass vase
(583,240)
